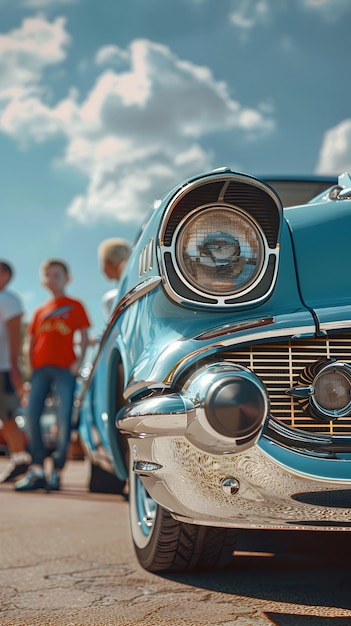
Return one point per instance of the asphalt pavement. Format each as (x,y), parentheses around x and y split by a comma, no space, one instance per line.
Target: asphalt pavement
(66,559)
(58,550)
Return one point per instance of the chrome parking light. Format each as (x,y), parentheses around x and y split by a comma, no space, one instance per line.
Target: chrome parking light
(332,388)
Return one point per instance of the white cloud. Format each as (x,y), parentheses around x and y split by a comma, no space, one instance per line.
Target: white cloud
(26,52)
(123,189)
(30,119)
(142,128)
(137,131)
(335,153)
(110,55)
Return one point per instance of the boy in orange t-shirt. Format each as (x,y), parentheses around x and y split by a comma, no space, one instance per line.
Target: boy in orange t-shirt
(54,365)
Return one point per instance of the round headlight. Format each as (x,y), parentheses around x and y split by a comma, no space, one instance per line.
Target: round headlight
(220,250)
(332,391)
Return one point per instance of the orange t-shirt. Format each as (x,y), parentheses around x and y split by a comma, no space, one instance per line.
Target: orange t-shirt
(53,327)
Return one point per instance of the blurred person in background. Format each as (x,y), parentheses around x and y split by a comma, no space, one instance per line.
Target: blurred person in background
(11,381)
(113,254)
(54,365)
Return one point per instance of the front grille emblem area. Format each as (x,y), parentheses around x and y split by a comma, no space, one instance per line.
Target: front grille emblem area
(324,389)
(297,377)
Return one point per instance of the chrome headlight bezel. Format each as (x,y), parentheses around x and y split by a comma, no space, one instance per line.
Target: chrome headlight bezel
(249,201)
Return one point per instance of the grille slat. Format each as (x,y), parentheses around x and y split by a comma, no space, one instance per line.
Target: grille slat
(279,366)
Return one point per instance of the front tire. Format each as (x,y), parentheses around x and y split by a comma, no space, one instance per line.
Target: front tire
(163,544)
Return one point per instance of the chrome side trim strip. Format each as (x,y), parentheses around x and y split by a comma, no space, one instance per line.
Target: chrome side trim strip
(212,348)
(336,325)
(228,329)
(229,341)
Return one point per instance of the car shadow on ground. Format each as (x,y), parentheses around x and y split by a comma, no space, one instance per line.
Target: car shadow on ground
(303,569)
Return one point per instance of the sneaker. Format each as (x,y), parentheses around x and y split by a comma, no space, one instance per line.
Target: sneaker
(31,482)
(53,484)
(12,470)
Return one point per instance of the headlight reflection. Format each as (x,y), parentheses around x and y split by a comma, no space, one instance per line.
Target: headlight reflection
(220,250)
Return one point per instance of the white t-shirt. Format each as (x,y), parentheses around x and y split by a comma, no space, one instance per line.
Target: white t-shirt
(10,306)
(108,299)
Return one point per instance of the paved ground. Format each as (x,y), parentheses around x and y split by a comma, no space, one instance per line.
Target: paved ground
(67,560)
(59,555)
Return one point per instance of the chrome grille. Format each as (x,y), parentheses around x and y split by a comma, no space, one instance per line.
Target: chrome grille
(279,367)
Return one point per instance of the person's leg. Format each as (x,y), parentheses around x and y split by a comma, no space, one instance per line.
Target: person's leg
(40,387)
(64,392)
(13,436)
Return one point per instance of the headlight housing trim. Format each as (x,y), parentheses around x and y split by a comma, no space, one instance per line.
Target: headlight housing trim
(243,197)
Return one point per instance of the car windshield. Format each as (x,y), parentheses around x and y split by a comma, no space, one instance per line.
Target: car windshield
(293,192)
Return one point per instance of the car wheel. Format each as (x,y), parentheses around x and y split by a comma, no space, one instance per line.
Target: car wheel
(102,481)
(163,544)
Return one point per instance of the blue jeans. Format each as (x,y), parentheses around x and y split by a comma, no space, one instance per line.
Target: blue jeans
(61,382)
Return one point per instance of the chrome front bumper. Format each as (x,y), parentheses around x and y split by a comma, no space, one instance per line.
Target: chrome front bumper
(194,467)
(191,484)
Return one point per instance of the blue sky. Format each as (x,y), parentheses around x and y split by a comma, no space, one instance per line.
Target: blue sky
(105,105)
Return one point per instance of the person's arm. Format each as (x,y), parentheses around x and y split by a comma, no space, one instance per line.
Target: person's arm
(13,326)
(83,344)
(27,357)
(27,353)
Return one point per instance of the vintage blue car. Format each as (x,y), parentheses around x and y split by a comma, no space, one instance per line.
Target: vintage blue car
(221,384)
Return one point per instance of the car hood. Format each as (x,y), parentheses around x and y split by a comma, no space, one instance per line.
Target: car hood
(320,234)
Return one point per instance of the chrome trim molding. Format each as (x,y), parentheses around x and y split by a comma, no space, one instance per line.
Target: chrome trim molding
(230,341)
(176,286)
(229,329)
(225,339)
(145,258)
(129,298)
(221,409)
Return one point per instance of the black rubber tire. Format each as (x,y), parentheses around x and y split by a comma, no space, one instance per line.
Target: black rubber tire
(174,546)
(102,481)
